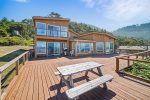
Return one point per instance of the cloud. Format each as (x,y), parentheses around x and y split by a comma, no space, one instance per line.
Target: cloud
(22,1)
(121,10)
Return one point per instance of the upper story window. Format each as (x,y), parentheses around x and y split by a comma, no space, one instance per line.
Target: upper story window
(41,28)
(57,31)
(53,30)
(64,31)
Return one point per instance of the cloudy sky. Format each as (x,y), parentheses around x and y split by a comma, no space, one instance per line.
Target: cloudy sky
(107,14)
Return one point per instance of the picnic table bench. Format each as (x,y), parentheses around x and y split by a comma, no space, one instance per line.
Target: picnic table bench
(70,70)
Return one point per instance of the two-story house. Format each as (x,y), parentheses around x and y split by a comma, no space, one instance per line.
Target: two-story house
(52,36)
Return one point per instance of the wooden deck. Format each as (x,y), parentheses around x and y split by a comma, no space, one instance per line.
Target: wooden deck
(36,81)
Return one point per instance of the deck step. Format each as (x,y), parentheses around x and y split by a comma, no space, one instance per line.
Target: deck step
(83,88)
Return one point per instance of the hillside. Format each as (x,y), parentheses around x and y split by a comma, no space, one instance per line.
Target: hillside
(137,31)
(82,28)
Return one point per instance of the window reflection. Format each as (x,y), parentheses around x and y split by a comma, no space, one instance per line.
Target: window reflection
(84,47)
(41,28)
(59,31)
(99,47)
(41,47)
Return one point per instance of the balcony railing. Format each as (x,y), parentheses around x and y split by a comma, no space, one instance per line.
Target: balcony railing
(51,33)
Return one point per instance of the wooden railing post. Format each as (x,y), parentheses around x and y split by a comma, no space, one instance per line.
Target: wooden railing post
(117,65)
(136,56)
(23,59)
(17,67)
(146,54)
(128,61)
(27,57)
(143,56)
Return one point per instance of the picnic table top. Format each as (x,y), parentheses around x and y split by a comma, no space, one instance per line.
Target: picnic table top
(76,68)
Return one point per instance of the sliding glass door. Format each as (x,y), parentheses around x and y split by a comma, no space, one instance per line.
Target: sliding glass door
(53,48)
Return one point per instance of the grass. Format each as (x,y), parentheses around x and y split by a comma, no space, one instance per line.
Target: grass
(139,69)
(8,53)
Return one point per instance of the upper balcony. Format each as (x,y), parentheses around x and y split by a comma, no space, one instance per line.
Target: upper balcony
(49,31)
(50,34)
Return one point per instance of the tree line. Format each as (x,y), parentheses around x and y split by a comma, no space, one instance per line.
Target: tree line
(21,33)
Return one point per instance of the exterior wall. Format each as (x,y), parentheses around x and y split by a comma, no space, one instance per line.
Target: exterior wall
(52,22)
(57,22)
(70,41)
(87,37)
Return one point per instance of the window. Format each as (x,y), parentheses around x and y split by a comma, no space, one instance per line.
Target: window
(41,47)
(109,47)
(41,28)
(84,47)
(64,31)
(53,30)
(64,28)
(99,47)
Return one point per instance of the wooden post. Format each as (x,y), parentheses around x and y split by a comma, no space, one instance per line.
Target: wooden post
(17,67)
(23,59)
(143,56)
(27,58)
(0,85)
(136,56)
(117,65)
(128,61)
(146,54)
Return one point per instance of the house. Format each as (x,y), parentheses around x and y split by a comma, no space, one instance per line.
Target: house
(52,36)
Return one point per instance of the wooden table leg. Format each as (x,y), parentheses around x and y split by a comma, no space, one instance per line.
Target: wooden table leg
(65,81)
(101,74)
(86,73)
(71,81)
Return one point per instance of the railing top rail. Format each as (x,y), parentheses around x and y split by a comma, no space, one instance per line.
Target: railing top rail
(133,54)
(134,60)
(5,66)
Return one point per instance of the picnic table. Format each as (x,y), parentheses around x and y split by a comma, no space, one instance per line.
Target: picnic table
(70,70)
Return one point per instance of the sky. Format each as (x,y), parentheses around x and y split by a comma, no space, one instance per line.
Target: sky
(106,14)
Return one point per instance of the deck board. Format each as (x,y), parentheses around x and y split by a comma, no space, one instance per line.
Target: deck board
(37,81)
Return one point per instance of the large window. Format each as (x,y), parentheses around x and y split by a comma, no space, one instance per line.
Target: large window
(109,47)
(41,28)
(53,30)
(41,47)
(57,31)
(84,47)
(64,31)
(99,47)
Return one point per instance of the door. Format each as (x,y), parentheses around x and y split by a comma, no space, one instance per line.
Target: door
(53,48)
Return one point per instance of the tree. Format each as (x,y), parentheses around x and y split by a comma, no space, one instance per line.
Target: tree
(54,14)
(4,19)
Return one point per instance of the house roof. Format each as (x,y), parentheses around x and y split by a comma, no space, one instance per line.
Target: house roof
(90,33)
(132,48)
(79,40)
(51,18)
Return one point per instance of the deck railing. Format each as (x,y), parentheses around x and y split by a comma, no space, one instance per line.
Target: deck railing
(127,60)
(23,56)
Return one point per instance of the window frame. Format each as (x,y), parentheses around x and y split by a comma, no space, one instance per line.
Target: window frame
(99,51)
(41,28)
(37,47)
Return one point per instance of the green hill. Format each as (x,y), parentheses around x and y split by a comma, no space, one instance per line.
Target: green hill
(137,31)
(82,28)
